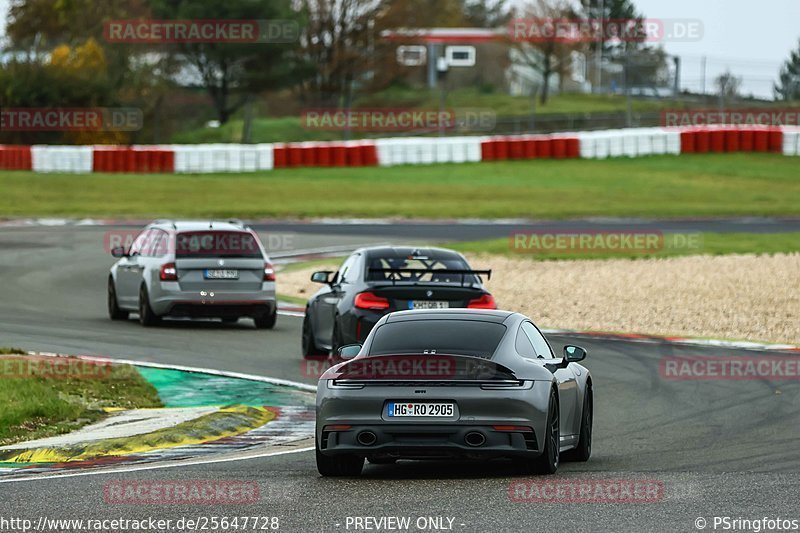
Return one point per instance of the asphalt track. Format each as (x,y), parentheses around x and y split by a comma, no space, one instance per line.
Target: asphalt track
(720,448)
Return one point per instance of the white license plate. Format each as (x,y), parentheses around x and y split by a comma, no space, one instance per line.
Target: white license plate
(428,304)
(222,274)
(435,410)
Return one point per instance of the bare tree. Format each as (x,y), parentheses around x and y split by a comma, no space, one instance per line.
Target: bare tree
(728,85)
(338,40)
(541,48)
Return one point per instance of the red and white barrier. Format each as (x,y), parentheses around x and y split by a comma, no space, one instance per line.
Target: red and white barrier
(15,157)
(64,159)
(219,158)
(133,159)
(791,141)
(428,150)
(215,158)
(555,146)
(722,139)
(628,143)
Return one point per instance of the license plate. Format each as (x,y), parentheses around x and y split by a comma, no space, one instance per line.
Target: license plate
(221,274)
(435,410)
(428,304)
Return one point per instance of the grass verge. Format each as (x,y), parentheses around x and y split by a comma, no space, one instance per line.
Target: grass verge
(38,400)
(708,185)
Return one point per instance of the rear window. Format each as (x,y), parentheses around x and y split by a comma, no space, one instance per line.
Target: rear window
(198,244)
(429,266)
(454,337)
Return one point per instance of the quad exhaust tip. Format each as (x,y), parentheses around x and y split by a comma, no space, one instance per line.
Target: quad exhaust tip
(366,438)
(474,439)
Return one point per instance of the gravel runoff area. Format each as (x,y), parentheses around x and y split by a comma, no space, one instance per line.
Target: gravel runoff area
(740,297)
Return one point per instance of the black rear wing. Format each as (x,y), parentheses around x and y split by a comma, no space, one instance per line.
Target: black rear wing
(462,271)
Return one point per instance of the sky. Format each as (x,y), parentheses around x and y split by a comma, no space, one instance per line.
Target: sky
(752,39)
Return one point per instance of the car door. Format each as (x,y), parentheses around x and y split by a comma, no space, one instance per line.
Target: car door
(327,303)
(565,377)
(129,271)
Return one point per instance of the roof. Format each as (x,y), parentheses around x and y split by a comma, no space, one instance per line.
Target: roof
(199,225)
(406,251)
(445,35)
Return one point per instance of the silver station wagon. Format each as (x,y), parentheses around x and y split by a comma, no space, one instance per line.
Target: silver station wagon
(209,269)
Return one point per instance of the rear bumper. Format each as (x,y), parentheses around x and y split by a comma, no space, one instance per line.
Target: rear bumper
(218,310)
(425,441)
(169,300)
(476,410)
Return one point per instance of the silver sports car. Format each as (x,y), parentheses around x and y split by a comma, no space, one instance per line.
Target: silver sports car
(454,383)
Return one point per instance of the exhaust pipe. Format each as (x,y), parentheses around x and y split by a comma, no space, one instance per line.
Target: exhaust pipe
(366,438)
(474,439)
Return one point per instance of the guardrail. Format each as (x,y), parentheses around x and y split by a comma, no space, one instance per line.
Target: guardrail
(218,158)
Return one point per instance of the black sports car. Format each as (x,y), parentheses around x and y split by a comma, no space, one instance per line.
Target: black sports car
(375,281)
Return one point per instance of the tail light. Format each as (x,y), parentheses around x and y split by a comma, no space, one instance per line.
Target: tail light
(338,427)
(484,302)
(168,272)
(368,300)
(519,429)
(269,272)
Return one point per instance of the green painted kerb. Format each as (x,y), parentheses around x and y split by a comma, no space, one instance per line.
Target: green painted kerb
(177,388)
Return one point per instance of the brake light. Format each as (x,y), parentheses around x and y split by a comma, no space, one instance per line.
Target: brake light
(368,300)
(168,272)
(484,302)
(269,272)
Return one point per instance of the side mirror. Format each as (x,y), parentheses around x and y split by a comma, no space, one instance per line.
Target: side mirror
(321,276)
(573,354)
(349,351)
(118,251)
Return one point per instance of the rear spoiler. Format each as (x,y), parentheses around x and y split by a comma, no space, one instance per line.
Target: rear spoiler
(462,271)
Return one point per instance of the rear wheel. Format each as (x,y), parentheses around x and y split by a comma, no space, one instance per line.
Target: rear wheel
(547,462)
(266,320)
(584,449)
(114,312)
(339,465)
(147,317)
(309,346)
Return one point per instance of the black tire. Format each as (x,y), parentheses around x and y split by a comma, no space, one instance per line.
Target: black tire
(147,317)
(114,312)
(339,465)
(547,463)
(336,339)
(266,320)
(309,347)
(584,449)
